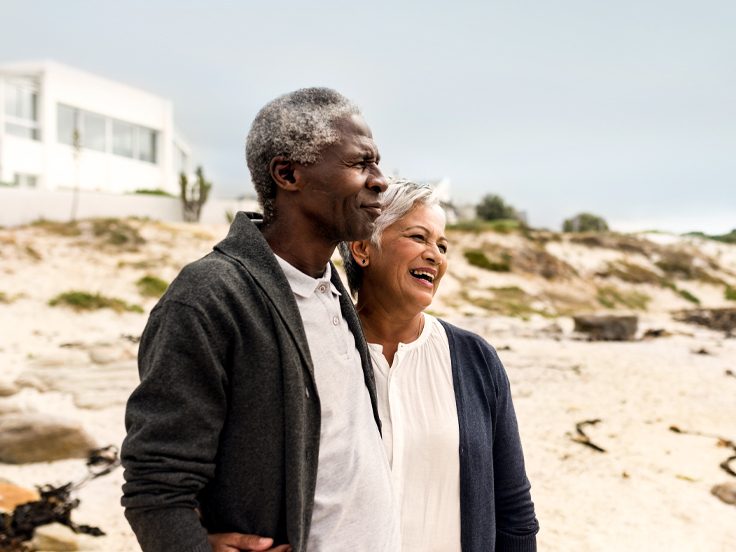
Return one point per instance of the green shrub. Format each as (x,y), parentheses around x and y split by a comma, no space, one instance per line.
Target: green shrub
(117,232)
(585,222)
(493,207)
(477,258)
(84,301)
(151,286)
(730,293)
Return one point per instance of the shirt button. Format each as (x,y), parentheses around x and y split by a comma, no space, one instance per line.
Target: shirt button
(322,288)
(335,321)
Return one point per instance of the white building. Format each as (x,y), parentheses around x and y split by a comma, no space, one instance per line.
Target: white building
(61,128)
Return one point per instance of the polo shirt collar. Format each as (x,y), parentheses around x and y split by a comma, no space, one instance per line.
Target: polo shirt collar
(304,285)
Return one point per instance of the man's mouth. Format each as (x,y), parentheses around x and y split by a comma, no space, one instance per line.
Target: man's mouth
(374,209)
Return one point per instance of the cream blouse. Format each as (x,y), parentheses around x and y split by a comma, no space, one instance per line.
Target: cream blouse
(416,402)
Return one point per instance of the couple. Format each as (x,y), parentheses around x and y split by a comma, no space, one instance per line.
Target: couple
(256,425)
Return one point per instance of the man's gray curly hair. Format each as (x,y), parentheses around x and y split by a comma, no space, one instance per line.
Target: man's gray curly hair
(298,125)
(400,197)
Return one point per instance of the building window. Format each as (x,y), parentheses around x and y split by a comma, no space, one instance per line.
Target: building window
(94,134)
(21,109)
(127,139)
(146,144)
(123,139)
(66,123)
(25,180)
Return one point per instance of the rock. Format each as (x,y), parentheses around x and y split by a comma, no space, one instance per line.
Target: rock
(608,327)
(12,495)
(54,537)
(726,492)
(716,319)
(34,437)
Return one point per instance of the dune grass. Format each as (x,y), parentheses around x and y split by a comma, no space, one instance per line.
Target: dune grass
(85,301)
(151,286)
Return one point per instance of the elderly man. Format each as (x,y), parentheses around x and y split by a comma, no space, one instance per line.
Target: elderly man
(256,410)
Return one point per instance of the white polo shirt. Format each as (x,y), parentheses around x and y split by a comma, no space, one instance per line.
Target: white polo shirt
(354,507)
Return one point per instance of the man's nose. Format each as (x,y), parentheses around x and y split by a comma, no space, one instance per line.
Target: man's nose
(377,182)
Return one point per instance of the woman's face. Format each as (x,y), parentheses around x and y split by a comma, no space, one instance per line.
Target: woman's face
(407,269)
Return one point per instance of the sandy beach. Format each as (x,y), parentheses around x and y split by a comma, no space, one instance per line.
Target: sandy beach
(649,490)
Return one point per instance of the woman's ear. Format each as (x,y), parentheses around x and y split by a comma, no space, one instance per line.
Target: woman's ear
(282,172)
(360,250)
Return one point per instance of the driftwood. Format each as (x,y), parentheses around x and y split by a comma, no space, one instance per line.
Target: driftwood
(55,505)
(582,438)
(722,442)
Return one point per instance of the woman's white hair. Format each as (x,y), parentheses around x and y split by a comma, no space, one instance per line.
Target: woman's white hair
(400,197)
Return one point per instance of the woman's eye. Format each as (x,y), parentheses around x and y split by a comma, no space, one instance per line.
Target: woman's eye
(442,248)
(417,237)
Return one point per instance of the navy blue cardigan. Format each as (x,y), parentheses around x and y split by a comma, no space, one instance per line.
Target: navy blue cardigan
(496,510)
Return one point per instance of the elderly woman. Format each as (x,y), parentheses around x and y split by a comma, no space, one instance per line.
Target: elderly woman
(449,426)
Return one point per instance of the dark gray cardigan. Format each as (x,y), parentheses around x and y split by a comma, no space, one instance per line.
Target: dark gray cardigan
(226,418)
(496,510)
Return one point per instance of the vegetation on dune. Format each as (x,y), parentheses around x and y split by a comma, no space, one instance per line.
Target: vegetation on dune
(685,294)
(612,297)
(153,192)
(85,301)
(151,286)
(631,273)
(478,258)
(117,232)
(730,293)
(5,298)
(494,207)
(725,238)
(69,229)
(505,301)
(585,222)
(477,226)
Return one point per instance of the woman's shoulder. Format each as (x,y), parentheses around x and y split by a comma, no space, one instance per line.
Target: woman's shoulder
(466,342)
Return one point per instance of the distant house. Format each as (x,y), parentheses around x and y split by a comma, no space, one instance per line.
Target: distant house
(62,128)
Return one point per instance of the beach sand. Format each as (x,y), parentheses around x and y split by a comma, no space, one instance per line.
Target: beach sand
(649,490)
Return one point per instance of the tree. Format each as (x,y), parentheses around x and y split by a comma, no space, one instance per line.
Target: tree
(193,195)
(585,222)
(493,207)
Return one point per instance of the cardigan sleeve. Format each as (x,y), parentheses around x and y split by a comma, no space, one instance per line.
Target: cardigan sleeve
(173,420)
(516,523)
(497,512)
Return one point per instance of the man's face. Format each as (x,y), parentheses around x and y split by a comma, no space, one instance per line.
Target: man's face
(340,191)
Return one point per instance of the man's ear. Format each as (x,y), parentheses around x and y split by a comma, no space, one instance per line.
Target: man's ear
(282,172)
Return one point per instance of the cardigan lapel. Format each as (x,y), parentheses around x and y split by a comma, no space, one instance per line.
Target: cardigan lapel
(246,244)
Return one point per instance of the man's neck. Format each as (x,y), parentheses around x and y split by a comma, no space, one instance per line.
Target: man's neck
(301,251)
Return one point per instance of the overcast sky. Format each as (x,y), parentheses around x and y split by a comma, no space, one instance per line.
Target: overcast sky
(626,108)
